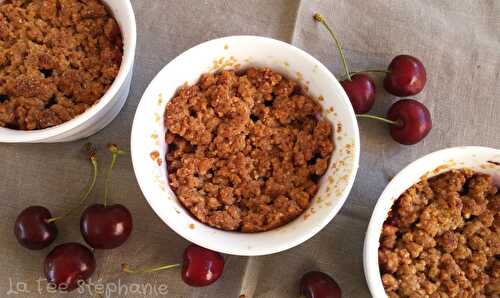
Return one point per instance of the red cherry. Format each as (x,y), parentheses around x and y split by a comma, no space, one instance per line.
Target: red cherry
(106,227)
(317,284)
(69,264)
(201,266)
(103,226)
(361,92)
(406,76)
(33,229)
(414,121)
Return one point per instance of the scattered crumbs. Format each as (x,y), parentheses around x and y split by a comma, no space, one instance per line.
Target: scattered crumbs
(328,189)
(247,60)
(154,155)
(160,101)
(330,109)
(348,149)
(321,98)
(339,127)
(177,211)
(318,200)
(312,210)
(307,82)
(191,226)
(300,77)
(306,215)
(328,203)
(159,161)
(335,114)
(315,67)
(330,179)
(494,162)
(215,64)
(222,63)
(226,46)
(154,135)
(157,117)
(286,63)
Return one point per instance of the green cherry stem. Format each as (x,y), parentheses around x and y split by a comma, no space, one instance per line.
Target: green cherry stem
(115,151)
(369,71)
(397,123)
(353,73)
(126,268)
(319,18)
(93,160)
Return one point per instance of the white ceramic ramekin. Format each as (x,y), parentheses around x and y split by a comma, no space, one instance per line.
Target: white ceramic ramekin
(480,159)
(106,109)
(148,143)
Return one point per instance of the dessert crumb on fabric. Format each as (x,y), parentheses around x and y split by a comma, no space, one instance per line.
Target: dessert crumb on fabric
(246,150)
(442,238)
(57,58)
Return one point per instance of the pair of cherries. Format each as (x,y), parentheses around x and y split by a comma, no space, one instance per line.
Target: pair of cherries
(409,120)
(102,226)
(202,267)
(70,264)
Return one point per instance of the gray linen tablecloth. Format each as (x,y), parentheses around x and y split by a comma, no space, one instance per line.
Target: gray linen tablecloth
(458,41)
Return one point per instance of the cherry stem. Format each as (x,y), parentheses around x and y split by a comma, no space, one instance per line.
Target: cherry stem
(370,71)
(397,123)
(319,18)
(126,268)
(115,151)
(93,159)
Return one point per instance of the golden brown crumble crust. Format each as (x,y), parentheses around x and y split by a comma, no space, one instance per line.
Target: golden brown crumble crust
(246,150)
(57,58)
(442,239)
